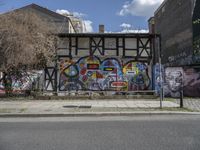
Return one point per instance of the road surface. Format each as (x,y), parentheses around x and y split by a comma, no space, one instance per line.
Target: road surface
(101,133)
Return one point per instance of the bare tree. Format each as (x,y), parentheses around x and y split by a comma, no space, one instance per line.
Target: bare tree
(25,40)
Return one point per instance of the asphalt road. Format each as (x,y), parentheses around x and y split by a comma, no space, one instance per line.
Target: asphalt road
(101,133)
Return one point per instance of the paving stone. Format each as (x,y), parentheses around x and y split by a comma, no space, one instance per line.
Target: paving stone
(57,106)
(190,103)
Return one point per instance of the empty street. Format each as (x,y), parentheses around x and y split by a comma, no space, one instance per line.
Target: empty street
(101,133)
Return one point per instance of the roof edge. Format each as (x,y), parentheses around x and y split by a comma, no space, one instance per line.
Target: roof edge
(158,9)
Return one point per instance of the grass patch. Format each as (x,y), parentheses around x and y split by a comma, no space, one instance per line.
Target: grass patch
(22,110)
(5,110)
(13,98)
(128,109)
(174,109)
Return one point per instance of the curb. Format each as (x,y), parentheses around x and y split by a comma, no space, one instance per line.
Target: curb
(97,114)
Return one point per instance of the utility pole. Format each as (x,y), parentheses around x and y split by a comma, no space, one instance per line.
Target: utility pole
(181,93)
(161,74)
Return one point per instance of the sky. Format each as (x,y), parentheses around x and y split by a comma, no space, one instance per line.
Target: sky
(116,15)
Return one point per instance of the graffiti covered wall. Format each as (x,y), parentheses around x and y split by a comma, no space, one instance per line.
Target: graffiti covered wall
(1,83)
(157,77)
(92,73)
(24,81)
(173,81)
(191,82)
(175,77)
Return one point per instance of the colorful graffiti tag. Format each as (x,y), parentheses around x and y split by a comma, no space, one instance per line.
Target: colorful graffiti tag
(157,77)
(90,73)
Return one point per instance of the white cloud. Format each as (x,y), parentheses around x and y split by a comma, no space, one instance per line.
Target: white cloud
(130,31)
(144,8)
(128,28)
(66,12)
(125,25)
(135,31)
(62,12)
(78,15)
(88,25)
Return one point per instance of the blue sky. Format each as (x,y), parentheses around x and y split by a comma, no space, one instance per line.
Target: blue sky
(116,15)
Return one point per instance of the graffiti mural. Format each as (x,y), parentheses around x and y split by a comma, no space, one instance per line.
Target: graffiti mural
(111,70)
(136,75)
(90,73)
(157,77)
(173,81)
(1,83)
(21,82)
(69,77)
(188,78)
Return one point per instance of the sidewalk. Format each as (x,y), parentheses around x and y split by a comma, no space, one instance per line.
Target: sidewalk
(192,104)
(37,108)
